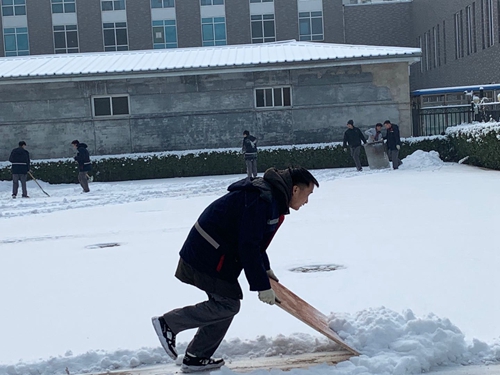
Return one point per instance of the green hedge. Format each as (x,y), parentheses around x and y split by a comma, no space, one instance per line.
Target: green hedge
(482,148)
(480,143)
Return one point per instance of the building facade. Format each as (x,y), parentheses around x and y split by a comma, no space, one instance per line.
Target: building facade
(197,98)
(459,39)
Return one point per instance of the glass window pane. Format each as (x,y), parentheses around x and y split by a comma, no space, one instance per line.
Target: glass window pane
(19,2)
(156,4)
(218,2)
(168,3)
(121,37)
(317,25)
(170,34)
(59,40)
(8,11)
(109,38)
(119,4)
(72,39)
(7,2)
(22,42)
(10,42)
(257,29)
(107,5)
(206,2)
(259,98)
(20,10)
(102,107)
(121,24)
(220,31)
(278,101)
(120,105)
(69,8)
(268,97)
(304,27)
(57,8)
(269,28)
(158,35)
(208,33)
(287,100)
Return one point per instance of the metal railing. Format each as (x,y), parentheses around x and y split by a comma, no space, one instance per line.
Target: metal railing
(435,120)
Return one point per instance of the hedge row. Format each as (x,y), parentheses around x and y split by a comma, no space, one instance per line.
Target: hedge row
(482,148)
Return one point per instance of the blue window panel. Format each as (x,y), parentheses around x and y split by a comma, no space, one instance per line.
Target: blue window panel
(218,2)
(171,34)
(317,25)
(157,23)
(208,33)
(220,31)
(7,2)
(69,8)
(57,8)
(169,22)
(7,11)
(156,4)
(19,2)
(10,43)
(20,10)
(304,27)
(171,45)
(206,2)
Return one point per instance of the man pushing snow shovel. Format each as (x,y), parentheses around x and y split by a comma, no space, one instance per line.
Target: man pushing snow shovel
(231,235)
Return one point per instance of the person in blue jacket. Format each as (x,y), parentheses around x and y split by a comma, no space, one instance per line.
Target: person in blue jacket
(231,235)
(20,159)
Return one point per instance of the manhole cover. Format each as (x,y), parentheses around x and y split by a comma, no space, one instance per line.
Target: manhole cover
(102,245)
(318,268)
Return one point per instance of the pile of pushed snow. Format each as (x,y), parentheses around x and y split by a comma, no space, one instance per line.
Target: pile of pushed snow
(391,343)
(422,160)
(394,343)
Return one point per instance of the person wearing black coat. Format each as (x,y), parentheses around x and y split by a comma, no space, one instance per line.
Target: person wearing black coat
(249,148)
(393,143)
(84,164)
(20,159)
(231,235)
(353,137)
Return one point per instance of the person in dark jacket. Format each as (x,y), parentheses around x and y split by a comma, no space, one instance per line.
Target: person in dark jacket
(250,150)
(393,143)
(84,164)
(353,137)
(20,159)
(231,235)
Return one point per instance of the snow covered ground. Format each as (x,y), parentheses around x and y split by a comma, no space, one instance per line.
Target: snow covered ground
(415,288)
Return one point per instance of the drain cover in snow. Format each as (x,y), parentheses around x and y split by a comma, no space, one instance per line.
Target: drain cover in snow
(318,268)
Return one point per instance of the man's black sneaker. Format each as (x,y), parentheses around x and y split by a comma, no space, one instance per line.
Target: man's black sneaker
(14,196)
(190,363)
(166,336)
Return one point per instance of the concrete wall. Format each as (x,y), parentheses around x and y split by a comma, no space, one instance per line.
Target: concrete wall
(39,14)
(48,116)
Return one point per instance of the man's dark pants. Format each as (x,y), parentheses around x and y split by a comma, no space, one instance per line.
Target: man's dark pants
(355,151)
(15,183)
(212,318)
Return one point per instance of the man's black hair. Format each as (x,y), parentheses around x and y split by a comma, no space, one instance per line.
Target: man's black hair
(75,142)
(378,124)
(302,177)
(387,122)
(22,143)
(246,132)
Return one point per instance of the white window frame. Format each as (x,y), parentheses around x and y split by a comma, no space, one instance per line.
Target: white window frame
(17,9)
(163,6)
(17,31)
(458,35)
(273,106)
(164,26)
(310,17)
(214,42)
(65,32)
(117,47)
(113,5)
(110,97)
(261,21)
(63,3)
(211,3)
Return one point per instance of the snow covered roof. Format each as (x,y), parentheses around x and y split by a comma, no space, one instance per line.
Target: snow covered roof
(183,60)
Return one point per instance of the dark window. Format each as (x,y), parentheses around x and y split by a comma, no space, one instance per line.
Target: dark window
(111,106)
(273,97)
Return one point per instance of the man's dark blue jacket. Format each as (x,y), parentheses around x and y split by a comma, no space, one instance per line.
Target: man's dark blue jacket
(83,158)
(232,235)
(20,159)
